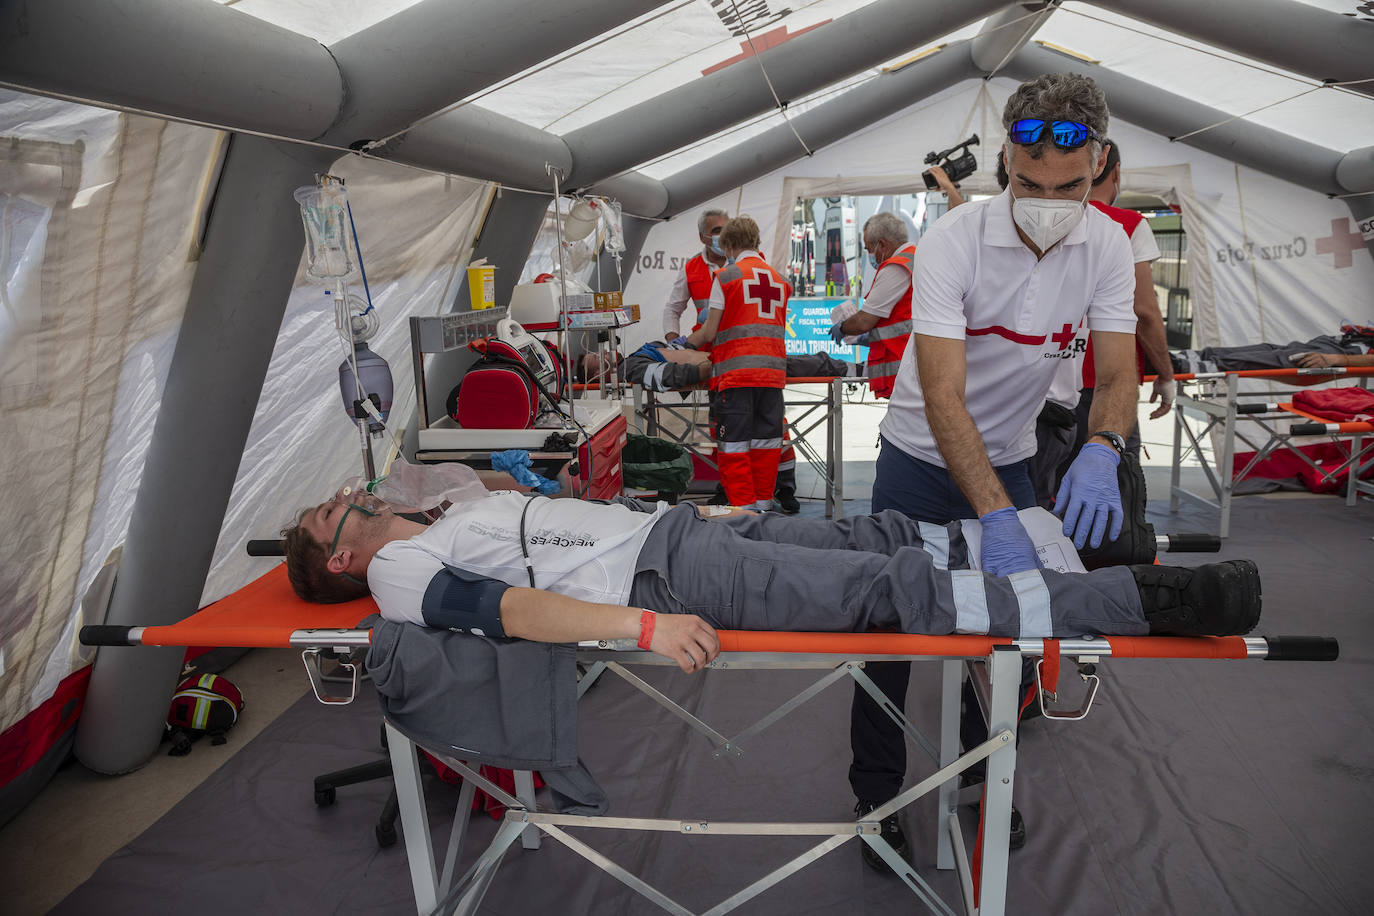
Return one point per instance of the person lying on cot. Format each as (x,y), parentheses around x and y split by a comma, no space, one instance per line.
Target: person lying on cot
(593,568)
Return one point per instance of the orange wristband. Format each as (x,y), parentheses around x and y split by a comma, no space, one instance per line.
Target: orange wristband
(646,629)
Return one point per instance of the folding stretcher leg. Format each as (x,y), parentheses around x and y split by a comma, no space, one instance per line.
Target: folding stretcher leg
(405,767)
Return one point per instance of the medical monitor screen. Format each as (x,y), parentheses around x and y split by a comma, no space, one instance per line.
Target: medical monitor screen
(537,361)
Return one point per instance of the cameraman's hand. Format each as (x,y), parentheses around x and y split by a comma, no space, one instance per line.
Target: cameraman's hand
(942,179)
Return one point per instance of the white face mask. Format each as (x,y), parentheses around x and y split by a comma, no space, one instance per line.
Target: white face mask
(1046,222)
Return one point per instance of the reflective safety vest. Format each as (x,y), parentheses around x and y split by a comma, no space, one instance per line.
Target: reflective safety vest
(889,337)
(1128,220)
(749,350)
(699,275)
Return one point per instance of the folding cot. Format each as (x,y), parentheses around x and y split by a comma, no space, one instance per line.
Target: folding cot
(267,614)
(649,406)
(1221,404)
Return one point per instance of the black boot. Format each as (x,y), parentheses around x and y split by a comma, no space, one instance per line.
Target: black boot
(718,498)
(1217,599)
(892,832)
(786,498)
(1136,544)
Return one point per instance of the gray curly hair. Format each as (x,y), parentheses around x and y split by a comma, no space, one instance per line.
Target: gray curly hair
(1059,97)
(707,217)
(885,227)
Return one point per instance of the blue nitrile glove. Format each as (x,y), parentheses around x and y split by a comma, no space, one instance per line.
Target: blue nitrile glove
(836,334)
(516,462)
(1089,500)
(1007,548)
(678,343)
(862,340)
(654,353)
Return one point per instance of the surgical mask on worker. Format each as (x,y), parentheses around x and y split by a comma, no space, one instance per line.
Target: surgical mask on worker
(715,246)
(873,260)
(1045,222)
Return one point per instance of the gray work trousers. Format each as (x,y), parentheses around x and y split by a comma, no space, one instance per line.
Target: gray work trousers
(769,572)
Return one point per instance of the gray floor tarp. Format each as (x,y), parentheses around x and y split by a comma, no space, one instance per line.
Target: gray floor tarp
(1193,787)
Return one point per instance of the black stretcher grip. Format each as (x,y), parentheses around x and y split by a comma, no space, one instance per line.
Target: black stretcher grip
(104,634)
(1307,429)
(1302,649)
(272,548)
(1193,543)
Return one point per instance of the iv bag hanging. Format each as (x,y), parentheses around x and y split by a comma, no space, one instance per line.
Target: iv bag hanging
(328,242)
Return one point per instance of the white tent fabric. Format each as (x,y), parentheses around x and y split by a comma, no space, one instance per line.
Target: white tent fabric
(84,362)
(102,280)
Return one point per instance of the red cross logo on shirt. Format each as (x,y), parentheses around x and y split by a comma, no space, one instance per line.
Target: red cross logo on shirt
(765,294)
(1341,242)
(1063,337)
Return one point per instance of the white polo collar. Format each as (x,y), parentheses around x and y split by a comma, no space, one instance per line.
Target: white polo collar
(999,229)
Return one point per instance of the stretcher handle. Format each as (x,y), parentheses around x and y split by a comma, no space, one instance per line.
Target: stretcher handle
(104,634)
(1302,649)
(1307,429)
(1191,543)
(265,548)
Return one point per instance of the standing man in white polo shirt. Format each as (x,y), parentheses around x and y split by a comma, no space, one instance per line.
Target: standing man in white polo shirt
(1000,286)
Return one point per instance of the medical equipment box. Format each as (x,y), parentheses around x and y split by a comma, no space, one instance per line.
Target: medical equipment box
(537,303)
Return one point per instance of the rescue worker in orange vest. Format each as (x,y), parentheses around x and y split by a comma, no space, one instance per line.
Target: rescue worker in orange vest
(748,366)
(886,313)
(693,286)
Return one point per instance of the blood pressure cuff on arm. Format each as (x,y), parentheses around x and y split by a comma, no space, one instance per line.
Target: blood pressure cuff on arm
(459,600)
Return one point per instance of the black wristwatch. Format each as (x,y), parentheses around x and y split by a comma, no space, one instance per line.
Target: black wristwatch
(1113,439)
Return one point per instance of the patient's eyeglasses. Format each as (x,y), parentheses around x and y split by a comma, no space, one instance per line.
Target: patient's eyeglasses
(1063,134)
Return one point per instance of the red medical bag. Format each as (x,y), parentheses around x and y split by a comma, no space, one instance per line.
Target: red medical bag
(500,390)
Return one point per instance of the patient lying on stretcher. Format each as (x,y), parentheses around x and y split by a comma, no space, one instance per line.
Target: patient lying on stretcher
(592,568)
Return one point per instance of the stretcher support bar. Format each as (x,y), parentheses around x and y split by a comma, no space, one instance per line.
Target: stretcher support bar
(1188,543)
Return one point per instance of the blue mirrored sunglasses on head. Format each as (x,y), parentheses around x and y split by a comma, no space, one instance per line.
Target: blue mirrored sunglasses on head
(1063,134)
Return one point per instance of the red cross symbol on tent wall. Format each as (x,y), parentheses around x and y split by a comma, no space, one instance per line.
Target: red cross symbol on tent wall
(1063,337)
(1342,242)
(764,293)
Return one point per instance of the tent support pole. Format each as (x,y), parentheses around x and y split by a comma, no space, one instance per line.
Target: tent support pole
(233,315)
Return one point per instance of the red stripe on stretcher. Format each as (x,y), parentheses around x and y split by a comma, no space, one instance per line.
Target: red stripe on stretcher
(1177,646)
(856,643)
(1008,333)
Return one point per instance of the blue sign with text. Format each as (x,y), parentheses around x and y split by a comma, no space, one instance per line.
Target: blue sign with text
(808,330)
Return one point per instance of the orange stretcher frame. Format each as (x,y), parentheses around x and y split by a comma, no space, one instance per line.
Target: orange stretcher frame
(267,613)
(1293,376)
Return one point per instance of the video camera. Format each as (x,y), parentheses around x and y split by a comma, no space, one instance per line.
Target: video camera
(957,161)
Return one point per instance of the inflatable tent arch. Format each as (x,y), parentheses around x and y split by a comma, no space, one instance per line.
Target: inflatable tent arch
(165,365)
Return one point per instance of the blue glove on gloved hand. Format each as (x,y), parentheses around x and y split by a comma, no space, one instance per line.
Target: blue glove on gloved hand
(654,353)
(516,462)
(1007,548)
(1089,500)
(678,343)
(836,334)
(862,340)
